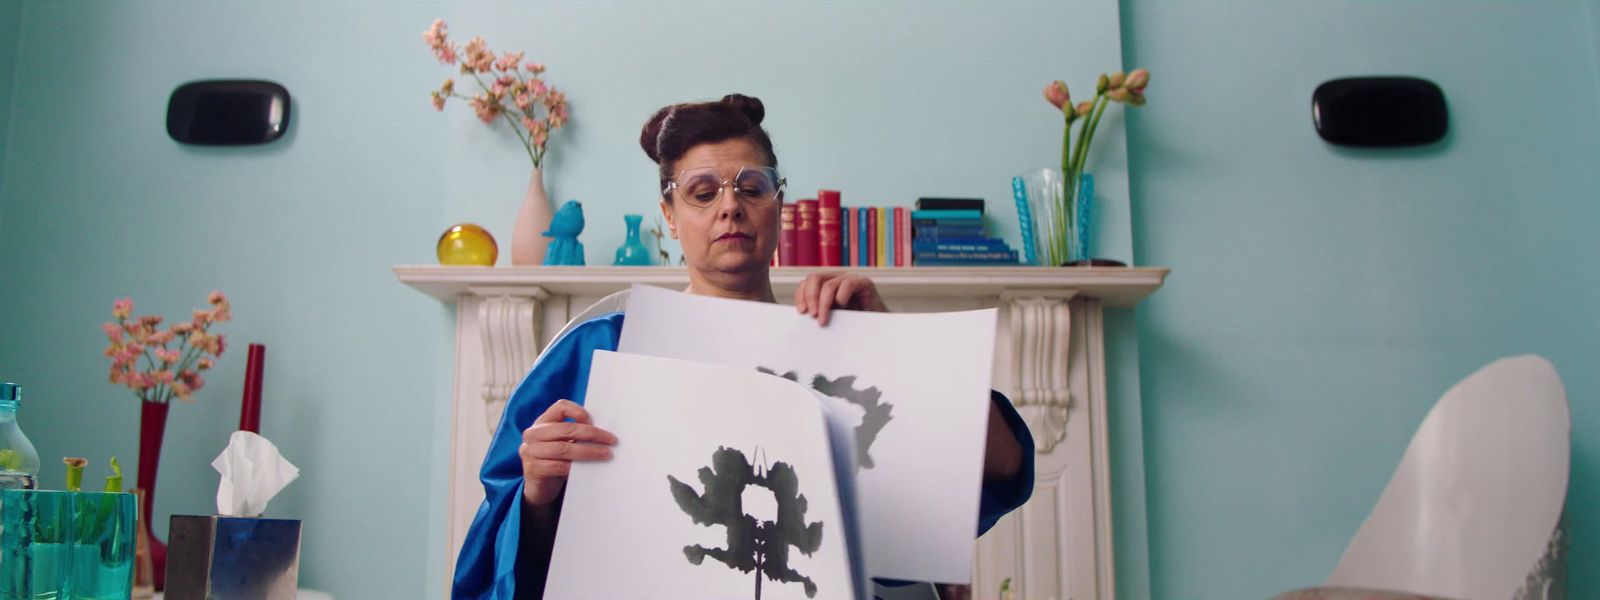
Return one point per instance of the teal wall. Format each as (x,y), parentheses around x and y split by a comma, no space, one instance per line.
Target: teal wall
(97,203)
(1323,299)
(10,35)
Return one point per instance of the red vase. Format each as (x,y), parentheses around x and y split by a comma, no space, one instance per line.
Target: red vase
(152,428)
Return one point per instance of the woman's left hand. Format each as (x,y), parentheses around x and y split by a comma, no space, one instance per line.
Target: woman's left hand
(820,293)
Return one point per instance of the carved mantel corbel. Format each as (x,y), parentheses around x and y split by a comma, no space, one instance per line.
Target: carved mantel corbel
(1041,326)
(508,323)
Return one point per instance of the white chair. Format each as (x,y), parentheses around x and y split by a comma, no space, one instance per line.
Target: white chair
(1475,509)
(613,302)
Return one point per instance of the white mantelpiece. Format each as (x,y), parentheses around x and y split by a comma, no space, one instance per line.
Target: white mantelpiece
(1049,359)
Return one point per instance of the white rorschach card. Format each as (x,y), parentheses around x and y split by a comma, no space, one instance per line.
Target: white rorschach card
(917,383)
(723,484)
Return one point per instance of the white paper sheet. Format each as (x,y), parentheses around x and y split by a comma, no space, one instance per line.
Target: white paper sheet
(624,530)
(922,468)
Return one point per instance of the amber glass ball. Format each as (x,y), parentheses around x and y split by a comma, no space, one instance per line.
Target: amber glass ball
(467,244)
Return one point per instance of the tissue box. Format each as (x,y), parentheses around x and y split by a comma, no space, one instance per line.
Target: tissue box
(232,558)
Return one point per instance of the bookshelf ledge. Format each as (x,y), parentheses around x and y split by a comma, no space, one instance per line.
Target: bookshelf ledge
(1113,286)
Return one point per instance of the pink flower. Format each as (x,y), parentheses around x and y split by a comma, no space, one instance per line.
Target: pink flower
(537,68)
(182,328)
(216,297)
(1137,81)
(508,62)
(524,101)
(162,376)
(161,338)
(1084,108)
(530,124)
(539,89)
(501,86)
(438,41)
(182,390)
(122,309)
(220,345)
(150,320)
(479,57)
(113,332)
(167,356)
(485,109)
(438,101)
(436,34)
(203,364)
(1056,93)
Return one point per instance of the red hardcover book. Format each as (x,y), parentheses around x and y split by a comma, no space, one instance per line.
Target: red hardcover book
(902,237)
(828,228)
(805,234)
(786,236)
(872,238)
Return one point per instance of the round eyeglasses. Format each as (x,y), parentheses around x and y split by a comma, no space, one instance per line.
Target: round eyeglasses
(701,187)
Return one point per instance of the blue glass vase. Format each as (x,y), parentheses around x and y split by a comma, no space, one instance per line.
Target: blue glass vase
(632,252)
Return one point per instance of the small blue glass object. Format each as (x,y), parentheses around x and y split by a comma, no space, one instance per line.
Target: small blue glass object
(565,249)
(632,252)
(1085,212)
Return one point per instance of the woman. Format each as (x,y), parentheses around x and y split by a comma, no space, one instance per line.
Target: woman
(720,195)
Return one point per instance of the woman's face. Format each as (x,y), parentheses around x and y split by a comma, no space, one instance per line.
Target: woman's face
(735,233)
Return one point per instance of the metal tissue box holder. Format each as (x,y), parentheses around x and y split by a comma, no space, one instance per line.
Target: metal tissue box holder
(232,558)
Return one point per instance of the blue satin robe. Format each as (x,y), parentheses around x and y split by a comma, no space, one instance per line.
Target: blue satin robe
(487,566)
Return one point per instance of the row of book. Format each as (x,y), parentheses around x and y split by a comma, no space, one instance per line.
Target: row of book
(818,232)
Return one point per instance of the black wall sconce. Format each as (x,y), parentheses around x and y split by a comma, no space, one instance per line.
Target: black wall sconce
(1380,112)
(231,112)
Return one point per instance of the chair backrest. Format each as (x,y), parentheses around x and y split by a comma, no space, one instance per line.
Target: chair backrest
(615,302)
(1478,494)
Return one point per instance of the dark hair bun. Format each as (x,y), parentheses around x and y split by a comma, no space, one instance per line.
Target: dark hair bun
(749,106)
(674,130)
(651,134)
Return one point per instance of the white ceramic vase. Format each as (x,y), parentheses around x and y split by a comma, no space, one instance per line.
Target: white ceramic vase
(528,242)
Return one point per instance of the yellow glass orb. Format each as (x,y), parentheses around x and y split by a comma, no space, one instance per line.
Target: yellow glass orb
(467,244)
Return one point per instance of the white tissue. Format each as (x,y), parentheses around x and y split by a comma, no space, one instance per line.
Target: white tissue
(252,473)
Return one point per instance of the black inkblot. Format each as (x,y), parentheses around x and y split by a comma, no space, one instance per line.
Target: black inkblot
(872,423)
(760,546)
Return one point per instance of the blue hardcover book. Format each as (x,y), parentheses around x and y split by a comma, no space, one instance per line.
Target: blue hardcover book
(888,239)
(940,231)
(979,246)
(860,224)
(1008,255)
(844,237)
(967,263)
(947,223)
(1024,219)
(976,215)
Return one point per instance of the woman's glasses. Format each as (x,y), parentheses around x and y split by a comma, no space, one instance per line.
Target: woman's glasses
(703,186)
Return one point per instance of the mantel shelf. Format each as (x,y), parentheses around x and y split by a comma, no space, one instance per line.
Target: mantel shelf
(1113,286)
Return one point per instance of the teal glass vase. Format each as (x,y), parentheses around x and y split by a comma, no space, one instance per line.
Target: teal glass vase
(632,252)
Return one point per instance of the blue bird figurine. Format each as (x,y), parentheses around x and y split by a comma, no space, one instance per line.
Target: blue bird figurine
(565,226)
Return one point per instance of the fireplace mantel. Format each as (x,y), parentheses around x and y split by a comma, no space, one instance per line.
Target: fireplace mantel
(1049,359)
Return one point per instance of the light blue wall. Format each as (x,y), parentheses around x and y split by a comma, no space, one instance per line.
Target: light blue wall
(1323,299)
(99,204)
(886,101)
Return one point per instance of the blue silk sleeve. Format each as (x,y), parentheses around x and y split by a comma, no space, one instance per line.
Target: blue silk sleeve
(1001,498)
(486,569)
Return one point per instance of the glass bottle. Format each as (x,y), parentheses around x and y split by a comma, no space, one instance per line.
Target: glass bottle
(632,252)
(19,462)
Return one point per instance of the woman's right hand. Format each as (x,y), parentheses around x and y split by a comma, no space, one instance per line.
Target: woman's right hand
(551,444)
